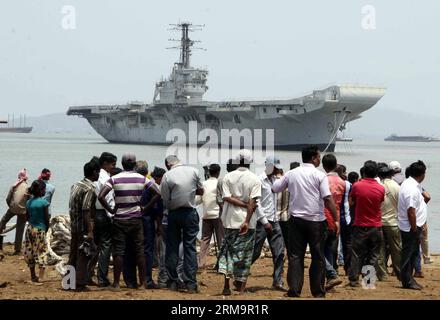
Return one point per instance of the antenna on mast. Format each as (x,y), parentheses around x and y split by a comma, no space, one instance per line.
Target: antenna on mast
(186,44)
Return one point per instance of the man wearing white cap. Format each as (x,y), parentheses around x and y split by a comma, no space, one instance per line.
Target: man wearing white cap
(241,189)
(268,225)
(398,175)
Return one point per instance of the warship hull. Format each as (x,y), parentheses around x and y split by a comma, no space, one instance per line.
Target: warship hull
(312,119)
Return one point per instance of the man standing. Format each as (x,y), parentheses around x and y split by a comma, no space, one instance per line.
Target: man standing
(103,223)
(179,187)
(211,214)
(412,215)
(241,189)
(390,229)
(127,222)
(309,193)
(366,196)
(82,210)
(50,188)
(397,173)
(337,189)
(268,225)
(16,200)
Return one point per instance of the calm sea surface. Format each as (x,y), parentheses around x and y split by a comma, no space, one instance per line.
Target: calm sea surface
(65,155)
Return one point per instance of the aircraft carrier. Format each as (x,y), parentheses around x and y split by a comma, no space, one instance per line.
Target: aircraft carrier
(178,103)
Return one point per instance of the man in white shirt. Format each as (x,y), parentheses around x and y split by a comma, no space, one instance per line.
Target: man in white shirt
(411,216)
(241,190)
(268,226)
(309,193)
(211,213)
(103,224)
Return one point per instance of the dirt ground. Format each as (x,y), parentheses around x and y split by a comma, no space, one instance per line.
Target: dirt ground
(15,284)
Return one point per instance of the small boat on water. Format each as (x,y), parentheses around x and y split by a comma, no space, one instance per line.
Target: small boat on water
(395,137)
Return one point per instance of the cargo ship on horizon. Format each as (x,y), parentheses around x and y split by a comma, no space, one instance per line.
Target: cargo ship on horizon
(22,128)
(395,137)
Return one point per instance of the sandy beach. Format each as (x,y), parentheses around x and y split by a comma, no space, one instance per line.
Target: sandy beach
(15,284)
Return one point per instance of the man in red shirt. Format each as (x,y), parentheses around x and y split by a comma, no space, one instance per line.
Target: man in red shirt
(366,196)
(337,189)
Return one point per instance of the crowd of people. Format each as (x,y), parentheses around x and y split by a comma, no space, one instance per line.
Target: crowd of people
(135,217)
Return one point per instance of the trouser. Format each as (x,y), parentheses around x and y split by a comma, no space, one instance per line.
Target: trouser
(284,225)
(305,232)
(346,240)
(366,244)
(149,240)
(83,264)
(183,225)
(276,244)
(331,254)
(410,250)
(130,263)
(103,240)
(19,229)
(209,226)
(162,275)
(424,242)
(392,239)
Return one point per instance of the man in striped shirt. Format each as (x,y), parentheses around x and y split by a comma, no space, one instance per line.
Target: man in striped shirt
(127,224)
(81,210)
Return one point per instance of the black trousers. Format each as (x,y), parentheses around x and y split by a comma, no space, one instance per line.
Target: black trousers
(410,251)
(301,233)
(366,242)
(83,264)
(346,235)
(103,239)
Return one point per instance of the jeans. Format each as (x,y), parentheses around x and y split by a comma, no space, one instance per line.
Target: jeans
(183,226)
(331,253)
(103,240)
(276,244)
(313,233)
(410,251)
(19,229)
(366,244)
(162,275)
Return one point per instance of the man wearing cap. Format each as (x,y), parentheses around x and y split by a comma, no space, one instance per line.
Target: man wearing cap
(16,200)
(397,173)
(179,187)
(127,221)
(268,226)
(390,229)
(309,194)
(241,190)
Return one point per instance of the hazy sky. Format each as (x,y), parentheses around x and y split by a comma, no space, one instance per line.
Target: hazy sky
(254,49)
